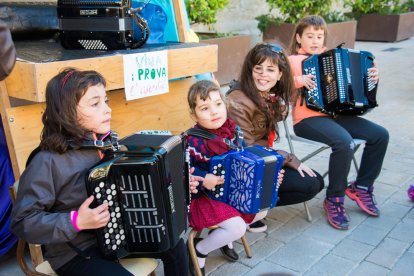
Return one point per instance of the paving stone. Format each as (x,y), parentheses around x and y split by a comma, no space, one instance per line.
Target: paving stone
(300,253)
(410,214)
(404,231)
(283,213)
(367,268)
(261,250)
(270,269)
(388,252)
(383,222)
(401,197)
(285,233)
(321,230)
(404,266)
(332,265)
(230,269)
(368,235)
(352,250)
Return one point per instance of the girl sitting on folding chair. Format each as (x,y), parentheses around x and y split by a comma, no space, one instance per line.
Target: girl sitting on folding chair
(338,132)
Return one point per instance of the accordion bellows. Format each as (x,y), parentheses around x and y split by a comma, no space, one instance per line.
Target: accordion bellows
(250,178)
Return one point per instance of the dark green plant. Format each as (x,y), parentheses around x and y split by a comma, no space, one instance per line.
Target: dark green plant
(361,7)
(292,11)
(204,11)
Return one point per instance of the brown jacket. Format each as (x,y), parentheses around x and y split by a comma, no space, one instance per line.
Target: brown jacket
(7,51)
(254,124)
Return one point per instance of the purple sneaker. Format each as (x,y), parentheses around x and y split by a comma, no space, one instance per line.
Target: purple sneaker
(364,198)
(335,210)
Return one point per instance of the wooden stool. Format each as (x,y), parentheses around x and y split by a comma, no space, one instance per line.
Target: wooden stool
(191,248)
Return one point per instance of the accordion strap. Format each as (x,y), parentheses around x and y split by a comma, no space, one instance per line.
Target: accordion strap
(208,135)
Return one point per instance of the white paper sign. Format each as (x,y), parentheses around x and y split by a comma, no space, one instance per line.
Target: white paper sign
(145,74)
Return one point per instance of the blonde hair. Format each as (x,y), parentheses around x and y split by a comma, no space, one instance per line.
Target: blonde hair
(315,21)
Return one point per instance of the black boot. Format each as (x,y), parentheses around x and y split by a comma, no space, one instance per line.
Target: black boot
(228,252)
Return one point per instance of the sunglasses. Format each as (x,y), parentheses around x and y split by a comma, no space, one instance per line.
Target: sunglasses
(275,48)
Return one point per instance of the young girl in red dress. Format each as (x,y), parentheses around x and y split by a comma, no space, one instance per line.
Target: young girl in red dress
(208,109)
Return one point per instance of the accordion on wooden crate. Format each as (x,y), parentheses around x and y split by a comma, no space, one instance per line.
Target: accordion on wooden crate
(101,24)
(250,178)
(146,186)
(342,82)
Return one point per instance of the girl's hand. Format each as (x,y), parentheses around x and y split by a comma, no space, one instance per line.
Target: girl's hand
(92,218)
(309,81)
(373,74)
(280,177)
(303,168)
(194,181)
(211,181)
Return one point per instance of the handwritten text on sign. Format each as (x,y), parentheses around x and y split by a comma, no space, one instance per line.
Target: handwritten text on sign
(145,74)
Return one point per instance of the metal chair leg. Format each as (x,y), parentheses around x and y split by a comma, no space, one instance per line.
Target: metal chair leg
(307,210)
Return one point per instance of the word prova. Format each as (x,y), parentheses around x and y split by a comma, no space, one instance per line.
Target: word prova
(146,74)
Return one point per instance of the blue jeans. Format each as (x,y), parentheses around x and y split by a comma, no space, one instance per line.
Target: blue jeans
(338,133)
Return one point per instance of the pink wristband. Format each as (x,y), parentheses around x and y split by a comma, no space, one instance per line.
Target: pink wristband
(74,217)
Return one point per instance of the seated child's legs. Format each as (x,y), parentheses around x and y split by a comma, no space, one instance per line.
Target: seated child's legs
(230,230)
(96,265)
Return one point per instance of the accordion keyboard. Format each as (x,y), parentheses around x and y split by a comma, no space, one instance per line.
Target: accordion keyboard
(314,91)
(114,233)
(218,170)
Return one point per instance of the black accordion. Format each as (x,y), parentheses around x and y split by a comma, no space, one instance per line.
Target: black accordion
(145,184)
(342,82)
(100,25)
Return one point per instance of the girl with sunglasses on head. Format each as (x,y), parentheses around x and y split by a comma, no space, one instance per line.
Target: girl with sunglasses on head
(338,132)
(257,101)
(52,207)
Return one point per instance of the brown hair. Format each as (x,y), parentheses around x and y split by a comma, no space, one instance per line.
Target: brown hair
(201,89)
(311,20)
(60,120)
(284,87)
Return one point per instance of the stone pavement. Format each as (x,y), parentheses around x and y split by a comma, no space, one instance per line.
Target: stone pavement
(372,246)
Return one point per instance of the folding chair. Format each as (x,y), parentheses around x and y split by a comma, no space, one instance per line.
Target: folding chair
(292,137)
(137,266)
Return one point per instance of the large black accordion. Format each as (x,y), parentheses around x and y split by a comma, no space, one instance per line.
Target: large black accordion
(342,82)
(145,184)
(100,25)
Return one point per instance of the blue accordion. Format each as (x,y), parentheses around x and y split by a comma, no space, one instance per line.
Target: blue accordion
(250,178)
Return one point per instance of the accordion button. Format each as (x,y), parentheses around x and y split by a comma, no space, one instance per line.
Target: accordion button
(121,232)
(219,165)
(101,184)
(214,171)
(105,201)
(107,241)
(113,214)
(97,189)
(117,236)
(118,242)
(113,219)
(106,235)
(98,196)
(114,247)
(221,189)
(113,186)
(118,215)
(115,225)
(111,230)
(216,196)
(215,167)
(110,203)
(114,192)
(117,209)
(221,194)
(108,191)
(109,197)
(110,226)
(122,237)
